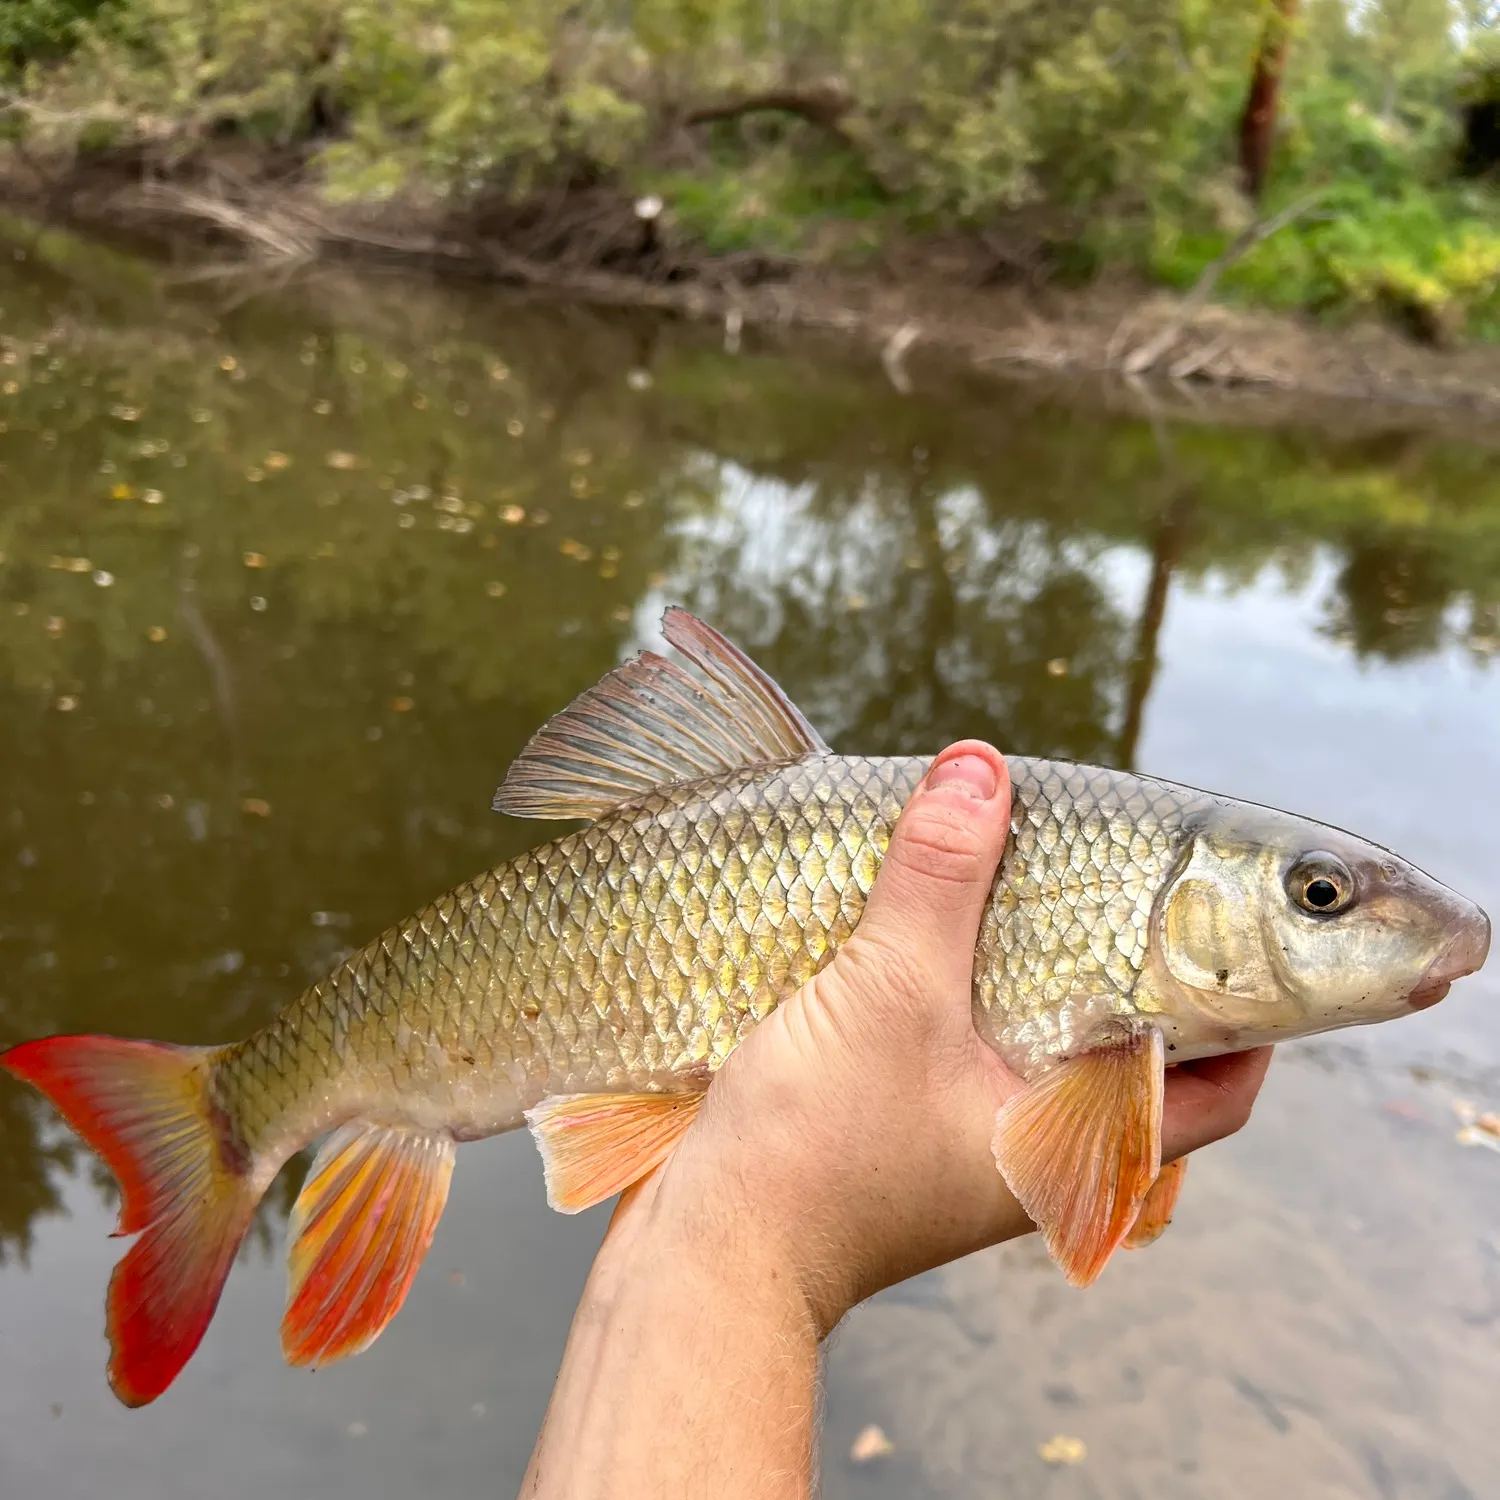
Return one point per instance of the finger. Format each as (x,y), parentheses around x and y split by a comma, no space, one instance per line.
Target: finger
(1206,1101)
(937,872)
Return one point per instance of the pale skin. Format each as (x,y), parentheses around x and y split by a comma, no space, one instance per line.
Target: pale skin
(844,1147)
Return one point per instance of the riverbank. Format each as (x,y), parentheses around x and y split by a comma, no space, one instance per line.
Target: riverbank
(951,294)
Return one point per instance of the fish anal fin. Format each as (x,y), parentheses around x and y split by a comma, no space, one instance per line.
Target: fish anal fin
(596,1145)
(1080,1147)
(361,1225)
(649,723)
(1161,1202)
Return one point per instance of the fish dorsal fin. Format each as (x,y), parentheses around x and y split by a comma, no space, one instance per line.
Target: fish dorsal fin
(650,724)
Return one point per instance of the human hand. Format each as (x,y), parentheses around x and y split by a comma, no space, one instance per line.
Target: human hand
(846,1142)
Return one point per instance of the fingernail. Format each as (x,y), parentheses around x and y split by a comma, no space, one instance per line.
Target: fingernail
(972,773)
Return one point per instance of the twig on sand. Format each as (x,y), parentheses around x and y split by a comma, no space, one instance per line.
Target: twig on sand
(1145,357)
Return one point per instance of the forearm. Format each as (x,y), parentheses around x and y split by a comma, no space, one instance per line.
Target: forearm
(691,1369)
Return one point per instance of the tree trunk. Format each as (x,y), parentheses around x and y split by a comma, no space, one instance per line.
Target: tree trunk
(1258,122)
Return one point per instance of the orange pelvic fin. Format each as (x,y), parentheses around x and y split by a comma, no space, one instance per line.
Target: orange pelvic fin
(596,1145)
(185,1185)
(1161,1202)
(1082,1145)
(358,1232)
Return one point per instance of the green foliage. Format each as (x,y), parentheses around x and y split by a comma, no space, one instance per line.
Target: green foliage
(1429,260)
(1115,123)
(42,30)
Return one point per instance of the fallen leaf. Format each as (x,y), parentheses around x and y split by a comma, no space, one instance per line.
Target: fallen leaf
(872,1443)
(1062,1449)
(1472,1135)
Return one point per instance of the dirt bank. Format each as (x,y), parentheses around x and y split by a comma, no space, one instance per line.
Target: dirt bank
(955,296)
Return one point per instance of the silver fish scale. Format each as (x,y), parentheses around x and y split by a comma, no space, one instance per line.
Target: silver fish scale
(1066,932)
(660,934)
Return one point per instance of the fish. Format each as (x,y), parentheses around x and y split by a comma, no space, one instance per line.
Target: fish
(591,988)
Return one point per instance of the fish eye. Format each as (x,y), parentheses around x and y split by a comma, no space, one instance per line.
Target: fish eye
(1321,884)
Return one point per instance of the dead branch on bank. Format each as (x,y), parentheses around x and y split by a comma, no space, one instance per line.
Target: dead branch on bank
(823,104)
(1145,358)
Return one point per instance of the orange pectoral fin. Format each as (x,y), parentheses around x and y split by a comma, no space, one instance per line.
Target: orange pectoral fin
(1081,1147)
(361,1225)
(596,1145)
(1156,1212)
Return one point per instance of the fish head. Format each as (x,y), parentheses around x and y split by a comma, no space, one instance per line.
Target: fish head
(1274,926)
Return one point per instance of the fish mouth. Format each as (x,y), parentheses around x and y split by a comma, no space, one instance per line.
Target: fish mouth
(1466,952)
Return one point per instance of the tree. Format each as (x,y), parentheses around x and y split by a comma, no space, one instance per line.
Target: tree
(1258,121)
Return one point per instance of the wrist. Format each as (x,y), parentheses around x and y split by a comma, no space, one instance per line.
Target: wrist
(688,1325)
(704,1245)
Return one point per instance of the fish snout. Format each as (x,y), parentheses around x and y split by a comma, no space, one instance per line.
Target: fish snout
(1465,953)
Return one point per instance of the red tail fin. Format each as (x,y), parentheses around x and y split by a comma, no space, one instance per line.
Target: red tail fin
(145,1108)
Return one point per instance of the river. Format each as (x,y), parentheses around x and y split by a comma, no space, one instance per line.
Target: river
(289,571)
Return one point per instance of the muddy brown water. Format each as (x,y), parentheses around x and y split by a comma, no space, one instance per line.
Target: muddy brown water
(288,573)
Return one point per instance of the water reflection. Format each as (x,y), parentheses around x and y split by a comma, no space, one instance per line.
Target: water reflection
(284,587)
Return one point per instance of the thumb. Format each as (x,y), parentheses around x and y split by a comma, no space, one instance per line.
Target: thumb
(932,885)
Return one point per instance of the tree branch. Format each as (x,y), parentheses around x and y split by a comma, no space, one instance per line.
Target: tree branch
(1191,305)
(824,105)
